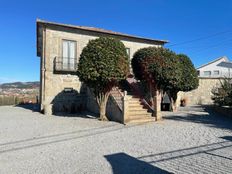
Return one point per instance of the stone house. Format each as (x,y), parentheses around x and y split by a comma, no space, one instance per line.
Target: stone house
(59,47)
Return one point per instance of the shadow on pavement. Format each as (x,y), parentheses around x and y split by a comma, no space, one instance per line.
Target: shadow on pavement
(199,158)
(122,163)
(228,138)
(201,114)
(84,114)
(30,106)
(35,108)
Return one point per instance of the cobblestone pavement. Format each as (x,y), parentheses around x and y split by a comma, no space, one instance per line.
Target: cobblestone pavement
(193,140)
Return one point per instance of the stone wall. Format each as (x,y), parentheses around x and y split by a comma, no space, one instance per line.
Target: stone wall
(91,104)
(113,112)
(201,95)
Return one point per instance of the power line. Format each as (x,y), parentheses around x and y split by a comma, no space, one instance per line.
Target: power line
(224,43)
(218,45)
(201,38)
(214,46)
(205,45)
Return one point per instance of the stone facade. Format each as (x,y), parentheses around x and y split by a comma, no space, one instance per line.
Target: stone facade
(54,92)
(201,95)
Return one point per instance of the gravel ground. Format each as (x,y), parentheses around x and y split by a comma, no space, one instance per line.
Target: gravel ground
(190,141)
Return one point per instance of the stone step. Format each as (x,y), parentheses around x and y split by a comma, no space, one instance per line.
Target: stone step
(133,97)
(139,114)
(134,106)
(141,117)
(134,101)
(130,95)
(137,108)
(141,120)
(138,111)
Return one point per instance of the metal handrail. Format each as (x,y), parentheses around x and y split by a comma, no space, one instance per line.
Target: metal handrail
(122,95)
(65,64)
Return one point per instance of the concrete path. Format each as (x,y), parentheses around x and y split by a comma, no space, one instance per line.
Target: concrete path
(193,140)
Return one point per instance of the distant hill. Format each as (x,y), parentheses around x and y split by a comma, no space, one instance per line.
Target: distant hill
(20,85)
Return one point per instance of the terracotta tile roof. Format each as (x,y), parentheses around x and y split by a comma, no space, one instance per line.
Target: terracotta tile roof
(39,21)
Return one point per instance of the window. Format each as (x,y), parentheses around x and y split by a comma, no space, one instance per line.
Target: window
(128,51)
(207,73)
(198,72)
(68,54)
(216,72)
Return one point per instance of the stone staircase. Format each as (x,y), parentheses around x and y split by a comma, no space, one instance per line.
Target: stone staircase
(129,100)
(137,112)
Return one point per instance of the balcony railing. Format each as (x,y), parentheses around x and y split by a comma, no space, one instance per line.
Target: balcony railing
(65,64)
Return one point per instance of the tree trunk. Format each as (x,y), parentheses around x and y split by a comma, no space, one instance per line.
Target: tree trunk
(155,101)
(102,106)
(103,111)
(154,114)
(173,96)
(152,99)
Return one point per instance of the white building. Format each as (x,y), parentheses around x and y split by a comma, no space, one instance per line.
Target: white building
(220,67)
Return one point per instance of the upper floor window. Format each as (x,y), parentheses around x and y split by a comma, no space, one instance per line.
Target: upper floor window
(68,55)
(68,58)
(207,73)
(216,72)
(128,51)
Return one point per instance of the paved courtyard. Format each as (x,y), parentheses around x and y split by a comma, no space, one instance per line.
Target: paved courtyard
(190,141)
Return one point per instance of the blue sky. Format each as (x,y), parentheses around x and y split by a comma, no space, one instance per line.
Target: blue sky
(206,24)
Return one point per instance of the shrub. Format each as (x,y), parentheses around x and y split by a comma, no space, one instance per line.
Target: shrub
(189,79)
(223,94)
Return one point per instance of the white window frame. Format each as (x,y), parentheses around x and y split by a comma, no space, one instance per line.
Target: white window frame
(71,60)
(216,72)
(209,73)
(128,51)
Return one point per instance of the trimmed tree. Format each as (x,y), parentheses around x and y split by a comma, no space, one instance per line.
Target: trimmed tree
(141,62)
(103,63)
(188,79)
(162,69)
(158,67)
(171,76)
